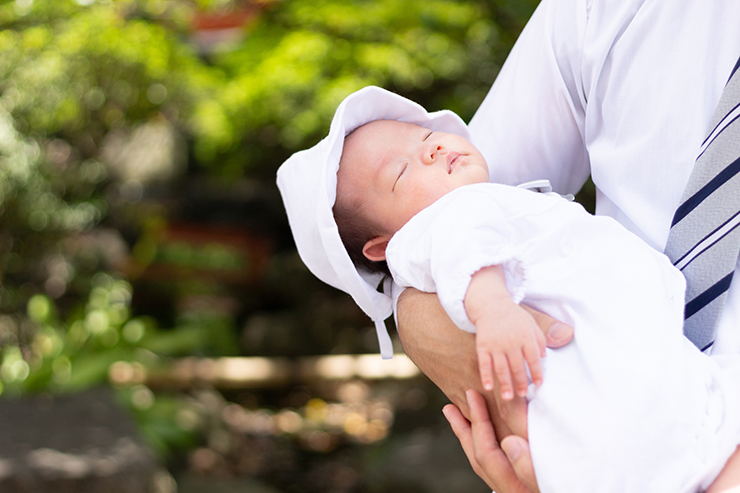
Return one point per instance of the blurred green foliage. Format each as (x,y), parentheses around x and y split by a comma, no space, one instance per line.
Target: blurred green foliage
(282,85)
(77,76)
(77,71)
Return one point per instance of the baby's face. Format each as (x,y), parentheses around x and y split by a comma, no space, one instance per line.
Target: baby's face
(395,169)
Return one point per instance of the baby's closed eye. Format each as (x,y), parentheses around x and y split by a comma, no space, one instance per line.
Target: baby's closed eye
(403,168)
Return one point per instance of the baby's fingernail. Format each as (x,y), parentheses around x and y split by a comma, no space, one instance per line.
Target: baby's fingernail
(507,395)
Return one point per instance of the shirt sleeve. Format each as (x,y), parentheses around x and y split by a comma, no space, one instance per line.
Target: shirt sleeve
(441,248)
(531,123)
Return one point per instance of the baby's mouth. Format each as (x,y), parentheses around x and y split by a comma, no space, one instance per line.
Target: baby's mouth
(452,159)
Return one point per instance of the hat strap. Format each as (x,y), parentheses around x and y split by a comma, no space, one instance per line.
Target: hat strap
(386,346)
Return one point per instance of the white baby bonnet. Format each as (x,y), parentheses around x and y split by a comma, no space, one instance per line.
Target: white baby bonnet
(308,184)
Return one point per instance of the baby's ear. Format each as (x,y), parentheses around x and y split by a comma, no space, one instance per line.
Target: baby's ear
(375,248)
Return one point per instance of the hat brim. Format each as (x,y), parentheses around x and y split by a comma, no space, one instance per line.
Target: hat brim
(308,183)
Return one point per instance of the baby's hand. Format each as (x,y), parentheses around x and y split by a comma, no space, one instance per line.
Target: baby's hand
(504,343)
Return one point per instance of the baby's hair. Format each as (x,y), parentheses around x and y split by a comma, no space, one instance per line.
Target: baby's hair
(356,229)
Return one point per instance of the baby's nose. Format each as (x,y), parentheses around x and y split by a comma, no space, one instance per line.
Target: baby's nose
(432,154)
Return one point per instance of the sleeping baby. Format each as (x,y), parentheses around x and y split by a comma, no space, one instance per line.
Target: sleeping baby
(389,172)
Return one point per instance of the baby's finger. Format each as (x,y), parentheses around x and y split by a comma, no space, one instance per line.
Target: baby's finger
(531,354)
(519,373)
(503,375)
(541,342)
(485,367)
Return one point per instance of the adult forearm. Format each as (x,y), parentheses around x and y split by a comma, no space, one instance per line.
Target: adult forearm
(447,356)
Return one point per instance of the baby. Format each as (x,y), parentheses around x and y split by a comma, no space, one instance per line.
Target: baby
(629,406)
(389,172)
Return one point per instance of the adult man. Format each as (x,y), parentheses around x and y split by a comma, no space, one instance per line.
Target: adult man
(621,89)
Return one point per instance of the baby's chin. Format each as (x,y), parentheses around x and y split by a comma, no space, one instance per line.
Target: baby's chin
(473,181)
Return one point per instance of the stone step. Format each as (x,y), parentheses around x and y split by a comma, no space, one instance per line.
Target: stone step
(81,443)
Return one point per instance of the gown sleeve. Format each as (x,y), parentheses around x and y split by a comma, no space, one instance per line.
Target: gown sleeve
(441,248)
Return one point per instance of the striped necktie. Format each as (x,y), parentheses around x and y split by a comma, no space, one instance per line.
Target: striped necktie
(704,240)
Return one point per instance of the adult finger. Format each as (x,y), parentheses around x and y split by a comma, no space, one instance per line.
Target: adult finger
(557,333)
(486,450)
(484,436)
(517,450)
(461,427)
(488,455)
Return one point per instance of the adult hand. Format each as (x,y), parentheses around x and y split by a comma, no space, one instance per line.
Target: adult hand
(447,356)
(489,461)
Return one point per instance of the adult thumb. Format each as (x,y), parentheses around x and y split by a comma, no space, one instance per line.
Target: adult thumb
(558,335)
(517,450)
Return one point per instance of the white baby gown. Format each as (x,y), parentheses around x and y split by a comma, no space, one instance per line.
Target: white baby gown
(630,405)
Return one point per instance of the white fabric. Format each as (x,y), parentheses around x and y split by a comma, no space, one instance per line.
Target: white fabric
(308,183)
(624,89)
(630,406)
(440,249)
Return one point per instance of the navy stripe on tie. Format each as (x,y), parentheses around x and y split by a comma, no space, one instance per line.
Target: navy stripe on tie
(724,127)
(737,66)
(707,247)
(707,346)
(696,199)
(708,296)
(719,124)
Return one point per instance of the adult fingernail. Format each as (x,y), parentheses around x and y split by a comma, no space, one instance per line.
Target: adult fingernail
(559,331)
(512,449)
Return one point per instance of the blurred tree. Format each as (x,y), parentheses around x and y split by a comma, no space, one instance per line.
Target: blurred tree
(302,57)
(79,70)
(71,76)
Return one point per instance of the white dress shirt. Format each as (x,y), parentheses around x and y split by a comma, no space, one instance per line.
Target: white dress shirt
(623,90)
